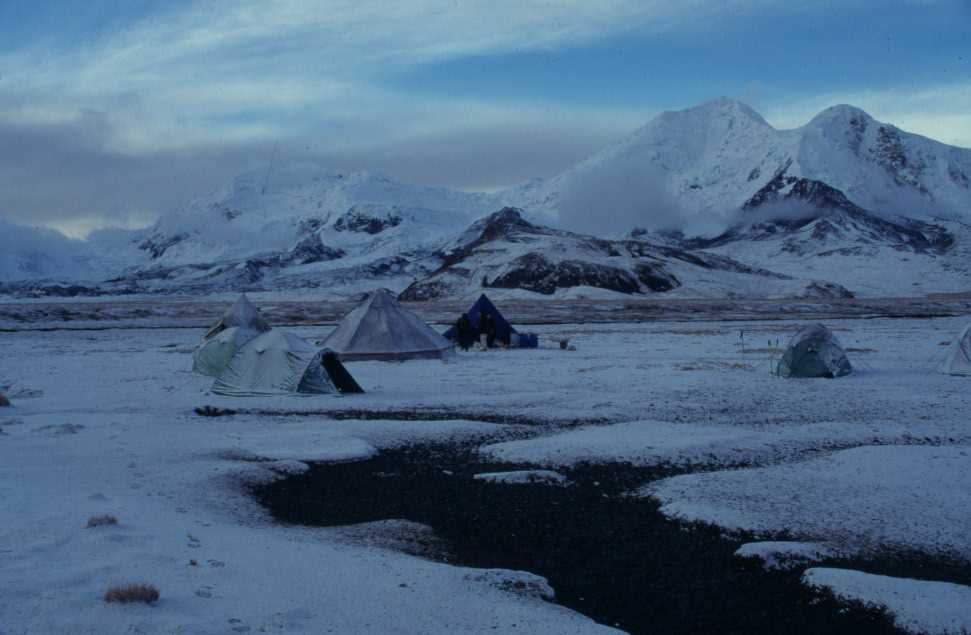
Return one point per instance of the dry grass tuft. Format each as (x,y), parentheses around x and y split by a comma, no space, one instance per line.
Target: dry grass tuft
(101,521)
(132,593)
(739,366)
(695,332)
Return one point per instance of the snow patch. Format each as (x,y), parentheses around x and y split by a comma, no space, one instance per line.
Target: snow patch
(918,606)
(521,477)
(305,445)
(785,555)
(648,443)
(520,583)
(913,497)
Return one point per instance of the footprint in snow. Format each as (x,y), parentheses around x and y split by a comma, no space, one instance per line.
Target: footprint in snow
(60,429)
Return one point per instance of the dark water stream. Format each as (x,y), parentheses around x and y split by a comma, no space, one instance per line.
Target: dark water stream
(612,557)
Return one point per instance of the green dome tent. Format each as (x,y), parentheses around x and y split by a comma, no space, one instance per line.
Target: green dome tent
(278,363)
(814,352)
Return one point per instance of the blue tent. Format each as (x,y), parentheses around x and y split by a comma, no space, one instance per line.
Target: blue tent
(503,328)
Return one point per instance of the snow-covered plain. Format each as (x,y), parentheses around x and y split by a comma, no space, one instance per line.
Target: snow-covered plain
(103,422)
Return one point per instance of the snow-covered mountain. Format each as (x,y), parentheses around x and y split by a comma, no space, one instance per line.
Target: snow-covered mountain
(296,227)
(844,199)
(844,204)
(504,253)
(712,159)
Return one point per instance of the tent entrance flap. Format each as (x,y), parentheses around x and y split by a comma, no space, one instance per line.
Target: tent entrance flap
(338,374)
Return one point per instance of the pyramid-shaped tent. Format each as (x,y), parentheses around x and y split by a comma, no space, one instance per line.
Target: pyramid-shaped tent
(380,328)
(814,352)
(277,363)
(240,324)
(484,305)
(958,360)
(242,315)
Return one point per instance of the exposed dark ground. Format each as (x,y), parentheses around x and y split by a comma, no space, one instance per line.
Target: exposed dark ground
(612,557)
(174,312)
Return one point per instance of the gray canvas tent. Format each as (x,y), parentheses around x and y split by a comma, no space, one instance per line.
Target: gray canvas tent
(243,315)
(380,328)
(814,352)
(275,363)
(958,359)
(240,324)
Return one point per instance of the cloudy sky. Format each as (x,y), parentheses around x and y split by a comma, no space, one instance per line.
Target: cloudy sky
(113,111)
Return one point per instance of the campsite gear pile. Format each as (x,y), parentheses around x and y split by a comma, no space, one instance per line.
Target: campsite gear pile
(249,358)
(524,340)
(814,352)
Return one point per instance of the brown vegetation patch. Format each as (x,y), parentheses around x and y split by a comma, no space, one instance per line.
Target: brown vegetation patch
(129,593)
(713,366)
(101,521)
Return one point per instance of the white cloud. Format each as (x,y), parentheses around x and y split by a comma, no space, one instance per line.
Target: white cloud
(211,72)
(196,93)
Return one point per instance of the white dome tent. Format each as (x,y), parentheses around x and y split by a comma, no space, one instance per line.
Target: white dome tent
(275,363)
(240,324)
(958,359)
(381,329)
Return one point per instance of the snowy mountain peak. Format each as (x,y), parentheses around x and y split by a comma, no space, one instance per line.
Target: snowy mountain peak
(728,107)
(840,114)
(717,117)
